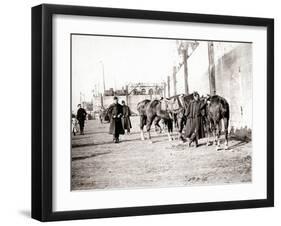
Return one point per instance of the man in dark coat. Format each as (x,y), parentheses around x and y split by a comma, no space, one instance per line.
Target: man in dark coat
(115,113)
(126,117)
(81,117)
(194,123)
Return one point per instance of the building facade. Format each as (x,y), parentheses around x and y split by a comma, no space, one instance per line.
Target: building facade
(132,94)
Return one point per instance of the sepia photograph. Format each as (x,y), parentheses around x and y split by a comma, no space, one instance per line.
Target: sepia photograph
(151,112)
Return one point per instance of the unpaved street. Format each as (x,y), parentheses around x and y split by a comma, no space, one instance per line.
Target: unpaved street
(98,163)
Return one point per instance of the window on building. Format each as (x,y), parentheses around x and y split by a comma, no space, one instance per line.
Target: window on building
(134,92)
(159,91)
(143,91)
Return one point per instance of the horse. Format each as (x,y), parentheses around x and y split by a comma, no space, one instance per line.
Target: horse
(177,106)
(170,109)
(217,110)
(150,111)
(104,115)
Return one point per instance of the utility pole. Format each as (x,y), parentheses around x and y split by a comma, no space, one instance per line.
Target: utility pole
(103,79)
(212,76)
(183,49)
(127,95)
(165,86)
(101,100)
(175,80)
(168,85)
(185,71)
(82,99)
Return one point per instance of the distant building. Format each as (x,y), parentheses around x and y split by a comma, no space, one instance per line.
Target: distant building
(109,92)
(112,92)
(132,94)
(138,89)
(146,89)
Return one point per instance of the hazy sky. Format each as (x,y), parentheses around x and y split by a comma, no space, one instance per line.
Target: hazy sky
(125,60)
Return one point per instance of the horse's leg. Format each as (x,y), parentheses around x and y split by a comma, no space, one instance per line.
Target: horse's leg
(170,129)
(168,117)
(218,135)
(180,128)
(213,131)
(149,122)
(225,122)
(176,121)
(142,123)
(182,122)
(156,124)
(208,128)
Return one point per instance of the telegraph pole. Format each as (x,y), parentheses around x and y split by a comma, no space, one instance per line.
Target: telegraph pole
(168,85)
(165,85)
(183,47)
(103,79)
(212,77)
(185,71)
(127,95)
(175,80)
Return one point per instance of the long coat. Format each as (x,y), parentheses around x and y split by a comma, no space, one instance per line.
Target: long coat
(81,114)
(115,112)
(126,117)
(194,122)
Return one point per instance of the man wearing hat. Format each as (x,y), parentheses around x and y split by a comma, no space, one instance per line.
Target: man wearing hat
(194,123)
(81,117)
(115,113)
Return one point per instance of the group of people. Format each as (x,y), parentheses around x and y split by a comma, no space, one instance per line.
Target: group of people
(195,119)
(119,118)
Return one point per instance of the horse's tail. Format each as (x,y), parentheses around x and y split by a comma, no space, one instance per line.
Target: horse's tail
(225,108)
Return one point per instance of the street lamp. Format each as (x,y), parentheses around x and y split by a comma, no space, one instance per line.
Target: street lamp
(103,80)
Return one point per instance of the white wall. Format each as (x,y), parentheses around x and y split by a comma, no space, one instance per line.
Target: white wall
(15,133)
(197,65)
(233,76)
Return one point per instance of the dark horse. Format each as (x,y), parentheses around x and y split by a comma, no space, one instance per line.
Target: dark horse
(217,110)
(154,110)
(168,109)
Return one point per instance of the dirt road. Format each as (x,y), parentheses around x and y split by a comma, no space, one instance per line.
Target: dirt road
(98,163)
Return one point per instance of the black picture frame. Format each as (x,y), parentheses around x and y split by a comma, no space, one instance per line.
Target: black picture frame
(42,111)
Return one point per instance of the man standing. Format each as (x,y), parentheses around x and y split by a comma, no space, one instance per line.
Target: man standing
(126,117)
(81,117)
(194,123)
(115,113)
